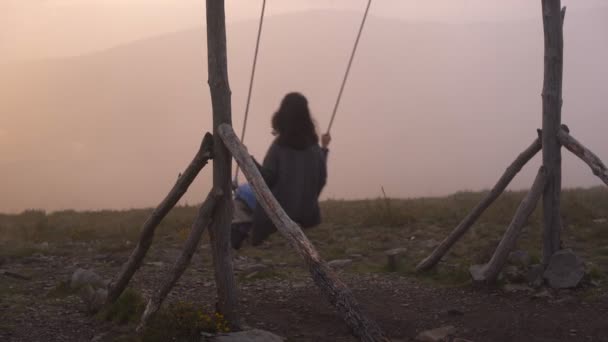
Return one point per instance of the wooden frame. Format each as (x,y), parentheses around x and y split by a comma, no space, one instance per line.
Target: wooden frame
(216,210)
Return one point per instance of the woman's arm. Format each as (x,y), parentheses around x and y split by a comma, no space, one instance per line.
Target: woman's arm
(325,140)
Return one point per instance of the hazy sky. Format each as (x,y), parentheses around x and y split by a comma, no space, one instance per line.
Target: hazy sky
(41,28)
(113,128)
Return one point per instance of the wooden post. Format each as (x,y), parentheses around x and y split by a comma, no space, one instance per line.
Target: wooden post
(490,271)
(597,166)
(430,261)
(201,222)
(118,284)
(552,109)
(336,292)
(219,232)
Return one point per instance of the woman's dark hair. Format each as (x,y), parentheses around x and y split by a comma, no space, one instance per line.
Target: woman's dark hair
(293,123)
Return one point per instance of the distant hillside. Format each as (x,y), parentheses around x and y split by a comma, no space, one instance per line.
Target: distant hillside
(429,108)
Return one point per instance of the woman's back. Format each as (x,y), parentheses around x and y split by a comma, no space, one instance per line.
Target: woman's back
(294,168)
(296,178)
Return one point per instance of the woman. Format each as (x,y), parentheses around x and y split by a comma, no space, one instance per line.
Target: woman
(295,167)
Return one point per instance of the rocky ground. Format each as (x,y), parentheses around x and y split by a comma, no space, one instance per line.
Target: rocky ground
(35,307)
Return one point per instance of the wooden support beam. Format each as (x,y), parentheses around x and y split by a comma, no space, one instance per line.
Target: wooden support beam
(553,17)
(595,163)
(203,219)
(430,261)
(335,290)
(219,231)
(118,284)
(490,271)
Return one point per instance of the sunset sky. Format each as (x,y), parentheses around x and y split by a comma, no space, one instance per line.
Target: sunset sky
(42,28)
(102,102)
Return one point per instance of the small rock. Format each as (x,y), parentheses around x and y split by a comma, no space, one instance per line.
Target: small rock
(436,335)
(600,220)
(477,272)
(565,270)
(340,263)
(93,298)
(520,258)
(534,276)
(254,335)
(393,256)
(513,275)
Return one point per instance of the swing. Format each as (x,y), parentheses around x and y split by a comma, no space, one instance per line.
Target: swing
(255,59)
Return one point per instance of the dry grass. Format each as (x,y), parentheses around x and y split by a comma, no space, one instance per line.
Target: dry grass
(360,230)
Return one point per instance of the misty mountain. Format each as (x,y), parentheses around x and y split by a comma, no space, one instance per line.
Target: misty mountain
(429,108)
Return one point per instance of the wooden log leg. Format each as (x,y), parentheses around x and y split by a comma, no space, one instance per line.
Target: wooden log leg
(336,292)
(219,231)
(490,271)
(595,163)
(203,219)
(553,18)
(430,261)
(120,282)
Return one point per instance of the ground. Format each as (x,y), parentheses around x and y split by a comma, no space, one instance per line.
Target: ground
(280,297)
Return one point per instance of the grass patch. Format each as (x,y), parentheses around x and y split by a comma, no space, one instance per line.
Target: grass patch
(361,230)
(127,309)
(18,250)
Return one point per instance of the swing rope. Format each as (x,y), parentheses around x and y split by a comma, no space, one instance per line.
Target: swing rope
(255,60)
(350,62)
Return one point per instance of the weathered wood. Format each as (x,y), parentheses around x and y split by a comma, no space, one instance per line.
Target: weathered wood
(595,163)
(430,261)
(552,116)
(219,231)
(203,219)
(490,271)
(336,292)
(392,257)
(118,284)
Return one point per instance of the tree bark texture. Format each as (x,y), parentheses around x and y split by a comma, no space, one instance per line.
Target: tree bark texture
(430,261)
(118,285)
(219,231)
(597,166)
(552,116)
(335,290)
(491,270)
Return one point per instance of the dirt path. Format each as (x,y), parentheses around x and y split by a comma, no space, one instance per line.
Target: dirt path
(292,307)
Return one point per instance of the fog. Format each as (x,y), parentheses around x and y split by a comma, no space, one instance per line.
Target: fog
(103,111)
